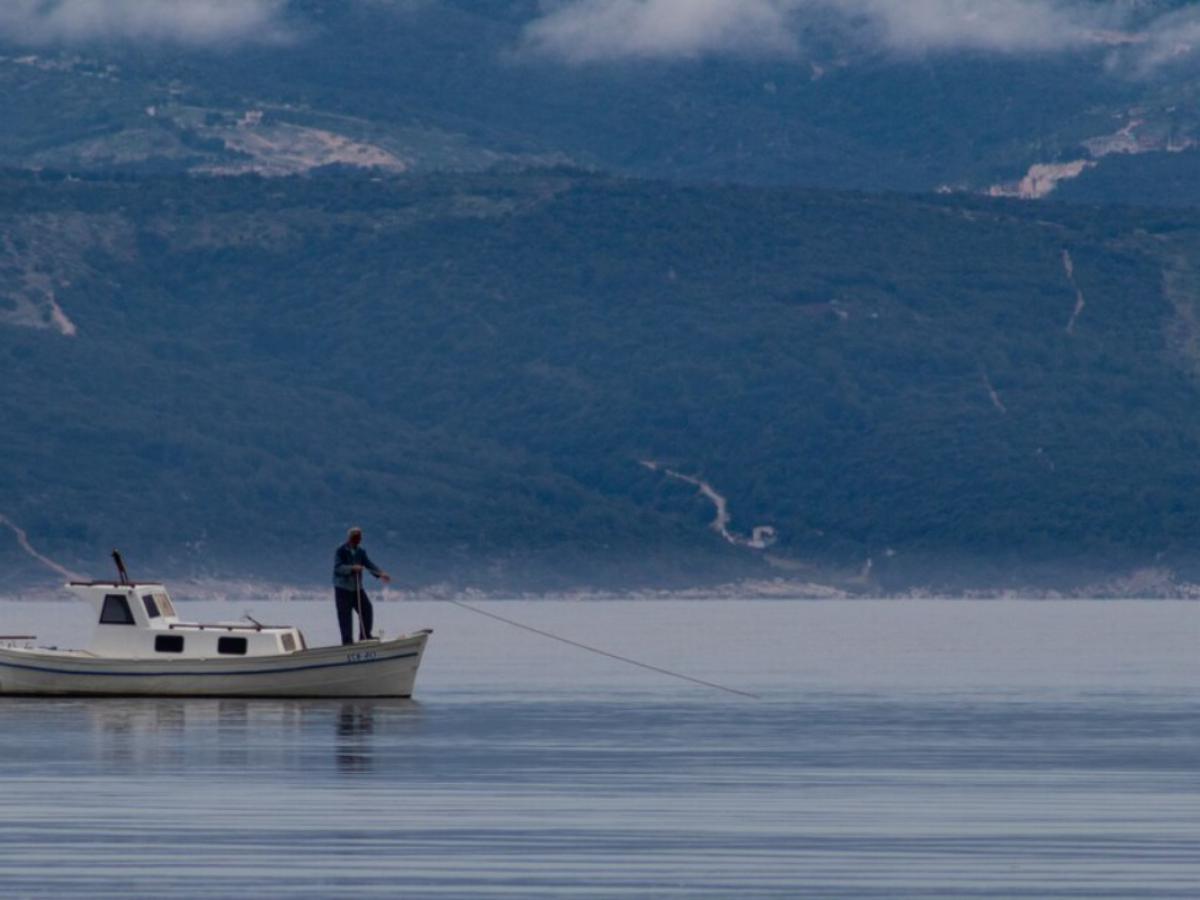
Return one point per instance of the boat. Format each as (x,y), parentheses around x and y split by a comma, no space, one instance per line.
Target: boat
(141,647)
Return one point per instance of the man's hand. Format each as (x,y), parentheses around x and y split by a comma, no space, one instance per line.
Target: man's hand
(356,569)
(385,577)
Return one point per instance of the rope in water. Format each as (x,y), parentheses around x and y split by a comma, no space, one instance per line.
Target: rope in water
(598,651)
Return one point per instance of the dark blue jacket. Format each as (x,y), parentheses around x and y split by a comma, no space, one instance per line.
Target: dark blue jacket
(346,557)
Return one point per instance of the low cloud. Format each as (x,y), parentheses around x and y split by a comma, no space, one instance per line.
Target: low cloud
(1000,26)
(1170,38)
(595,30)
(582,31)
(190,22)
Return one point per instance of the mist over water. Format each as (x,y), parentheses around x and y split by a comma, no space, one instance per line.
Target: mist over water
(900,749)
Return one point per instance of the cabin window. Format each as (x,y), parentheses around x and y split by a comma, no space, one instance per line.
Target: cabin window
(151,606)
(289,642)
(115,610)
(164,604)
(235,645)
(169,643)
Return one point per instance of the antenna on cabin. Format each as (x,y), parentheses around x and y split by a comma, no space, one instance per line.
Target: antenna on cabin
(116,555)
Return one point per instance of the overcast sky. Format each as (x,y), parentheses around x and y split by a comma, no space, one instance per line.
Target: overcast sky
(609,31)
(197,22)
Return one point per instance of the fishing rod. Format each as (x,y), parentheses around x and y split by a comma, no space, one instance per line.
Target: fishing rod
(362,631)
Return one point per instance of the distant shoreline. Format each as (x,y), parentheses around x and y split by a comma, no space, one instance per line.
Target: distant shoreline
(1137,586)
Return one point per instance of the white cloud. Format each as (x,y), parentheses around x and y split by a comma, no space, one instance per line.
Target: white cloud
(592,30)
(1003,26)
(598,30)
(196,22)
(1168,39)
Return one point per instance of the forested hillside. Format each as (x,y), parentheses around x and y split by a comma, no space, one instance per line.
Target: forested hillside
(219,375)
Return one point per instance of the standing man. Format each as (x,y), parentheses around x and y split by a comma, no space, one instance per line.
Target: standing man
(348,565)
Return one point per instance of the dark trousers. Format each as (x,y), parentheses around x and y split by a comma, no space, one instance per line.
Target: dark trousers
(348,602)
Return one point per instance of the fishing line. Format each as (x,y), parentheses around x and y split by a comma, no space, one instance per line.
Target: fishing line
(599,652)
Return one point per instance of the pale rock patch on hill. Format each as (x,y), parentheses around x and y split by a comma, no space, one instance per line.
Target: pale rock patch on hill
(40,255)
(1041,180)
(34,305)
(761,536)
(1080,303)
(992,393)
(281,148)
(1137,136)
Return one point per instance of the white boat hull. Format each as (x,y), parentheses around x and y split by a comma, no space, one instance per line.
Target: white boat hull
(368,669)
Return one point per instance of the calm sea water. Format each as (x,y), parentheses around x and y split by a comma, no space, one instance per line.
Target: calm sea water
(898,749)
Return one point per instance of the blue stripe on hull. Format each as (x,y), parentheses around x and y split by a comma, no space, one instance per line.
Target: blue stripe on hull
(358,662)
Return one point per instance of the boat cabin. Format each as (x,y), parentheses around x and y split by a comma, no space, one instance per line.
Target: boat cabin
(139,621)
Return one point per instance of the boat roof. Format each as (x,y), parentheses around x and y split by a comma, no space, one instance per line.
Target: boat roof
(115,584)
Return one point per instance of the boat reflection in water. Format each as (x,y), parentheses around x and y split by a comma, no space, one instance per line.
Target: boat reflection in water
(355,735)
(230,733)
